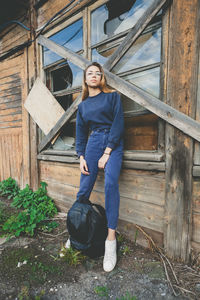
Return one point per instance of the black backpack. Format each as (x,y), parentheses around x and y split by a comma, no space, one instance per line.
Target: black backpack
(87,227)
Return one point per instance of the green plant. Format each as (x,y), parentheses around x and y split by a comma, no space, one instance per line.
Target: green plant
(102,291)
(72,256)
(136,235)
(127,297)
(48,227)
(126,250)
(120,238)
(2,213)
(9,188)
(35,207)
(24,293)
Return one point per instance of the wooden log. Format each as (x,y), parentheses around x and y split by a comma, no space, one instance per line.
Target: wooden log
(166,112)
(181,93)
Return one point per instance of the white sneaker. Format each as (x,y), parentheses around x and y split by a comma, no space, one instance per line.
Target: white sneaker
(110,256)
(68,244)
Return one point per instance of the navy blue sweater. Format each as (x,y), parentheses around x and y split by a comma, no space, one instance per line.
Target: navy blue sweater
(99,112)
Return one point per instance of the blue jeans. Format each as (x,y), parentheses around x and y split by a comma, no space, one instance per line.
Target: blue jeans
(96,145)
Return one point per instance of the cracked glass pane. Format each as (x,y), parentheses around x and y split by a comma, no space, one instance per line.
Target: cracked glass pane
(115,17)
(70,37)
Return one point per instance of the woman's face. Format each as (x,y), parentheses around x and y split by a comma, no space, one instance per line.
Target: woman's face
(93,77)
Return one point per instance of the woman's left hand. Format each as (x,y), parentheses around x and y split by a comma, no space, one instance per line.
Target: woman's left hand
(103,160)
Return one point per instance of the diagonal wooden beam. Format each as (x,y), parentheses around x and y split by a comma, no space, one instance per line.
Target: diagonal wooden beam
(134,33)
(127,42)
(153,104)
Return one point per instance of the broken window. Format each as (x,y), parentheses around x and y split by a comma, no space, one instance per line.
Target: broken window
(106,28)
(140,65)
(64,79)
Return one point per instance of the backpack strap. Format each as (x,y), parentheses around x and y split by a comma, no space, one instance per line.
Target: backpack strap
(84,200)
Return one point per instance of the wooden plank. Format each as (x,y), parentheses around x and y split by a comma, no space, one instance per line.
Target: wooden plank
(8,84)
(181,93)
(196,227)
(5,101)
(197,145)
(25,179)
(10,111)
(68,159)
(144,165)
(8,80)
(128,155)
(43,107)
(163,75)
(196,248)
(10,118)
(137,212)
(196,196)
(134,33)
(32,75)
(196,171)
(140,165)
(17,123)
(136,185)
(166,112)
(12,104)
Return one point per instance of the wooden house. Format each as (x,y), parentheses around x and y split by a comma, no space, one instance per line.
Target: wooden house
(150,52)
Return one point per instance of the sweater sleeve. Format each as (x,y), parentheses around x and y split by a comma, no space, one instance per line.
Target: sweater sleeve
(117,128)
(81,134)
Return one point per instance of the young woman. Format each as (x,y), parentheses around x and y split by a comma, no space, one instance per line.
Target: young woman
(100,113)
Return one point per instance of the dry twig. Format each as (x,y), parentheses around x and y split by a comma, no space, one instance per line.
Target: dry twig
(164,260)
(51,235)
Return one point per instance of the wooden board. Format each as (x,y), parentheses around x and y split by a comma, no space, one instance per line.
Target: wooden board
(43,107)
(142,193)
(196,227)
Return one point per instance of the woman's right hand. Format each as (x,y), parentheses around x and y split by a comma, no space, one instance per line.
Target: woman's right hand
(83,166)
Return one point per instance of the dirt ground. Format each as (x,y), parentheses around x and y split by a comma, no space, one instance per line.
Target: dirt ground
(31,268)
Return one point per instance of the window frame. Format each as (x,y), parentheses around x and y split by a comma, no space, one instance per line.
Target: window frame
(149,159)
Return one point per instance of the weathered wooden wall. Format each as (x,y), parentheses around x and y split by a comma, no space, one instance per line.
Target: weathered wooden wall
(10,119)
(14,119)
(142,192)
(151,199)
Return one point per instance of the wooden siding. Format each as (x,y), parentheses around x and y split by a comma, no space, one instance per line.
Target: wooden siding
(141,133)
(142,193)
(196,215)
(46,12)
(14,35)
(10,119)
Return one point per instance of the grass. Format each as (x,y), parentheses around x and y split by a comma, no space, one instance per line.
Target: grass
(102,291)
(127,297)
(72,256)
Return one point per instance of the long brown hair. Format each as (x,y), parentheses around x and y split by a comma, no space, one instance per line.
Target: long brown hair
(103,84)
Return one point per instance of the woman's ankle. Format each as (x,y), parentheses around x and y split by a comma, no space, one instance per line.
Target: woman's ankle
(111,234)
